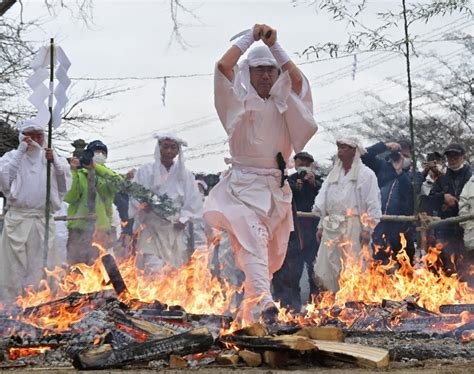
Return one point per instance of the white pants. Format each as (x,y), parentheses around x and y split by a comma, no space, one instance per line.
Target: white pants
(160,243)
(22,251)
(338,240)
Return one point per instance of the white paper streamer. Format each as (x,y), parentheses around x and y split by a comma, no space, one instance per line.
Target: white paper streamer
(41,92)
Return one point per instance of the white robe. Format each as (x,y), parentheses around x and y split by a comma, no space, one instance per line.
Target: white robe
(466,207)
(248,203)
(160,242)
(23,182)
(340,205)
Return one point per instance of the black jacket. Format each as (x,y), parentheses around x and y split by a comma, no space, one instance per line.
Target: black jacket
(452,183)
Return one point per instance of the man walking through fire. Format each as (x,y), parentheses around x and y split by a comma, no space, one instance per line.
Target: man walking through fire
(161,242)
(349,207)
(265,106)
(23,182)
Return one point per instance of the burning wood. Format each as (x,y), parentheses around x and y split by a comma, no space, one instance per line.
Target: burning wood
(86,320)
(106,356)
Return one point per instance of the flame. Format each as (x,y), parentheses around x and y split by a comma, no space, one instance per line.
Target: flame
(15,353)
(192,286)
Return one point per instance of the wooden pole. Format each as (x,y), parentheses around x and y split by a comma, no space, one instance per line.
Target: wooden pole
(410,109)
(47,211)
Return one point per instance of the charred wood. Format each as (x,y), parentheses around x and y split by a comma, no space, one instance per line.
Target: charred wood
(114,274)
(198,340)
(270,343)
(456,308)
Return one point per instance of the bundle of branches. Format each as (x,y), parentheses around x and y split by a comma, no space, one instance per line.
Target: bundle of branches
(161,205)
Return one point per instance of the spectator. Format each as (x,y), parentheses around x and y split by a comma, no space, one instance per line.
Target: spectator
(432,169)
(91,193)
(445,196)
(302,246)
(394,180)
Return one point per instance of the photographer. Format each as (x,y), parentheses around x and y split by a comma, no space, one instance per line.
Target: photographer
(302,248)
(90,193)
(394,180)
(433,167)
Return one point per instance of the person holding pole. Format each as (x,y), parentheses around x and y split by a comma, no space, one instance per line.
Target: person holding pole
(23,181)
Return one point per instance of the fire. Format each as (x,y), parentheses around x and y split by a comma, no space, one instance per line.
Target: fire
(192,286)
(195,289)
(15,353)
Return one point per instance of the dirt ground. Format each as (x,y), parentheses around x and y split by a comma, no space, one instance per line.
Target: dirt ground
(432,367)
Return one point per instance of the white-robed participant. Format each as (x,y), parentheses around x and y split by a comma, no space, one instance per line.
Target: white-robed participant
(23,182)
(349,206)
(161,242)
(265,106)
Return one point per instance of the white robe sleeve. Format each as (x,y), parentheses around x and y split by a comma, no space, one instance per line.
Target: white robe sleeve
(62,172)
(226,100)
(299,117)
(370,197)
(193,205)
(319,207)
(9,166)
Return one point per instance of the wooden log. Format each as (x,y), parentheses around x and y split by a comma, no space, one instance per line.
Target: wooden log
(456,308)
(114,274)
(74,299)
(360,355)
(194,341)
(255,329)
(417,324)
(228,359)
(275,359)
(271,343)
(252,359)
(177,362)
(322,333)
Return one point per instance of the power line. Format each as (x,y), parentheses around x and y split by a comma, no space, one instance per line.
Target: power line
(347,69)
(354,96)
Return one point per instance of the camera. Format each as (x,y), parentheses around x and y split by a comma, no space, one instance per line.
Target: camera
(394,156)
(302,171)
(86,158)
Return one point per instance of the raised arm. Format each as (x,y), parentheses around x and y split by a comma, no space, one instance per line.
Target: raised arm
(269,37)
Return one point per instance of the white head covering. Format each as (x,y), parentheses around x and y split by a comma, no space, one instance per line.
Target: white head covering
(24,125)
(261,56)
(353,142)
(177,171)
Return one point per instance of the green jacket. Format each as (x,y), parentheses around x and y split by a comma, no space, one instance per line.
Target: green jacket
(77,198)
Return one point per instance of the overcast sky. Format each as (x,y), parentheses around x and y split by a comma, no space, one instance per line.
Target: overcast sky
(132,39)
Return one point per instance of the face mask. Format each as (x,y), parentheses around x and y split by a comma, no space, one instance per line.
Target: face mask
(457,166)
(406,163)
(100,158)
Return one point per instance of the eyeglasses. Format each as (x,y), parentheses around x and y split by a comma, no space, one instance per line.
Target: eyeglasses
(261,70)
(343,146)
(173,147)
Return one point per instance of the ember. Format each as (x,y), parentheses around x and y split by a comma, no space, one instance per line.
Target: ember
(15,353)
(177,315)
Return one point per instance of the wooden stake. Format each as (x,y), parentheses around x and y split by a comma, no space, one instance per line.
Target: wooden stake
(47,209)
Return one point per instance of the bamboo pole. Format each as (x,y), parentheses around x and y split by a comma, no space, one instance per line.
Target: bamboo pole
(48,165)
(66,218)
(429,220)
